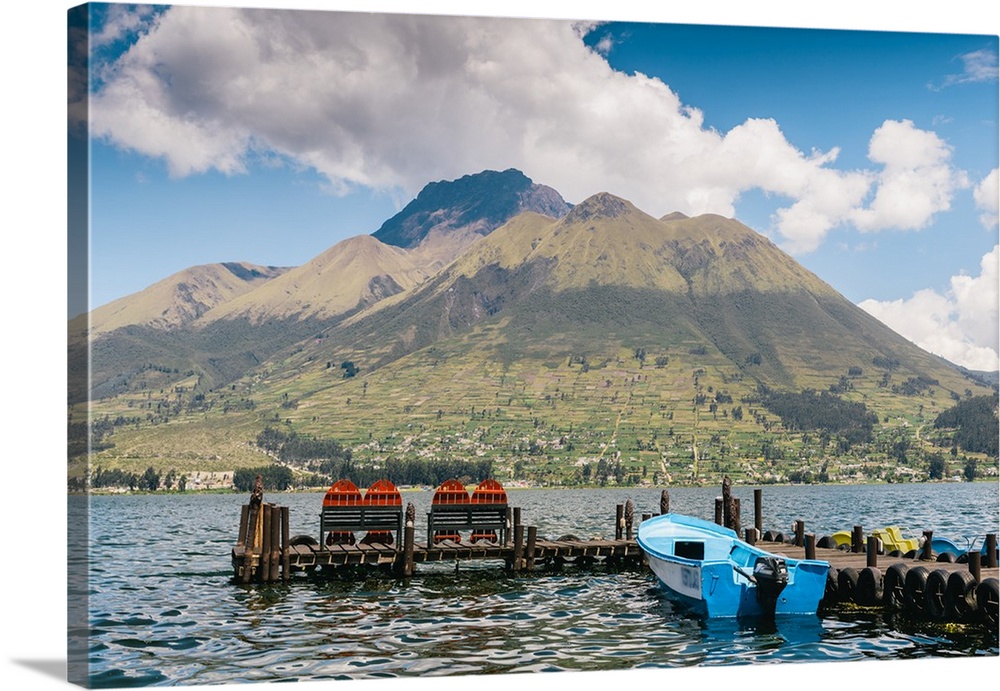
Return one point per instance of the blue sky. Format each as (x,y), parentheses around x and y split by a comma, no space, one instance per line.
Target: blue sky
(870,156)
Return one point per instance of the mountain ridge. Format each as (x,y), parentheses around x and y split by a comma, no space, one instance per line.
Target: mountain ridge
(549,343)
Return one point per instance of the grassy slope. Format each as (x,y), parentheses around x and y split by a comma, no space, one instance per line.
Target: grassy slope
(524,349)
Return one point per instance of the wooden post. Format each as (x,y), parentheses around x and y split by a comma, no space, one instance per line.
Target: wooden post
(517,516)
(510,526)
(241,538)
(285,540)
(857,539)
(249,533)
(264,569)
(750,536)
(727,502)
(530,549)
(974,565)
(871,555)
(619,521)
(758,510)
(991,550)
(408,538)
(518,545)
(736,522)
(275,556)
(664,502)
(629,516)
(718,510)
(925,553)
(800,531)
(810,545)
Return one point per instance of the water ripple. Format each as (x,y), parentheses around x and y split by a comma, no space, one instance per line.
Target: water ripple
(181,619)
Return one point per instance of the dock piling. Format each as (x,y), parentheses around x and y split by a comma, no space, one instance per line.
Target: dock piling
(800,531)
(925,553)
(758,510)
(664,502)
(285,557)
(871,553)
(518,546)
(974,565)
(991,550)
(810,540)
(241,538)
(629,518)
(263,569)
(619,521)
(857,539)
(530,549)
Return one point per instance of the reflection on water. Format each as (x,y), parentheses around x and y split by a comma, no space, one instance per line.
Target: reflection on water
(164,609)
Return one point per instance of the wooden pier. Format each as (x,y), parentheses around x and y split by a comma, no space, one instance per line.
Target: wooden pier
(921,583)
(266,553)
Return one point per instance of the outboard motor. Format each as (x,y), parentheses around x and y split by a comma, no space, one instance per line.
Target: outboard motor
(771,574)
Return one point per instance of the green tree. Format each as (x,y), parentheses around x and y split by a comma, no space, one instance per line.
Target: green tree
(150,480)
(971,470)
(936,467)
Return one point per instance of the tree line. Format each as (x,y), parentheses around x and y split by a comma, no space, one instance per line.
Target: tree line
(975,423)
(824,411)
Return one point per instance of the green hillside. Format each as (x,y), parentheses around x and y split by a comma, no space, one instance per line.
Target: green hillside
(604,347)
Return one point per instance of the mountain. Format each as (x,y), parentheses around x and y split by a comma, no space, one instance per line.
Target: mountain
(218,320)
(557,347)
(447,216)
(353,274)
(181,298)
(610,272)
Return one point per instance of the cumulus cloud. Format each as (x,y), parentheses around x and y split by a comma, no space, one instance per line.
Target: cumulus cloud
(961,325)
(917,179)
(986,195)
(395,101)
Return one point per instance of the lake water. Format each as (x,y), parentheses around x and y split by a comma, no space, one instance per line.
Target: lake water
(163,609)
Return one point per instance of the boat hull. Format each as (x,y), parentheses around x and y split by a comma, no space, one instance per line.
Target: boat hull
(709,570)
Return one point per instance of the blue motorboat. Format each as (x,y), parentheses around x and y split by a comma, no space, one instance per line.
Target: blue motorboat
(712,571)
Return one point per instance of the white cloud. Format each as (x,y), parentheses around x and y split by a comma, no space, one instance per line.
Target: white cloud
(987,196)
(396,101)
(978,66)
(961,326)
(916,181)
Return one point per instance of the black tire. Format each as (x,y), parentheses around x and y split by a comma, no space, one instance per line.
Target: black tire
(769,536)
(988,602)
(869,591)
(847,584)
(960,596)
(946,558)
(826,542)
(844,548)
(937,583)
(915,587)
(830,594)
(303,540)
(912,554)
(779,537)
(896,553)
(894,587)
(567,538)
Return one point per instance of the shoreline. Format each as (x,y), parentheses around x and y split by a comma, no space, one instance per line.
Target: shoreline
(411,489)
